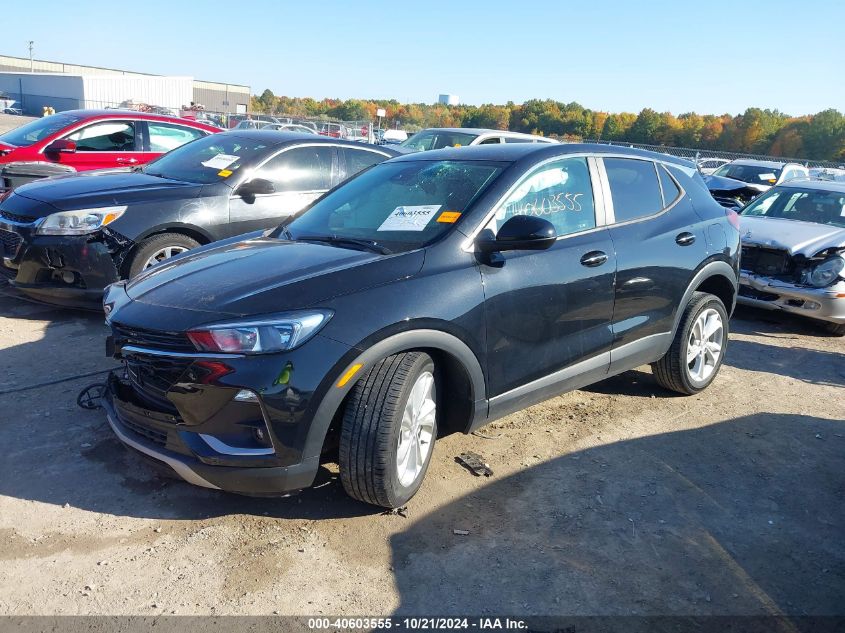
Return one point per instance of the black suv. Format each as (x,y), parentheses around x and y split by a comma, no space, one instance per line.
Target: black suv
(433,293)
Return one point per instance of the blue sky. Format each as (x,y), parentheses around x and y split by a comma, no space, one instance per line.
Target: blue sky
(710,57)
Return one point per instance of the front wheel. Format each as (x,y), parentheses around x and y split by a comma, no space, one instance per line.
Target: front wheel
(388,431)
(698,348)
(156,249)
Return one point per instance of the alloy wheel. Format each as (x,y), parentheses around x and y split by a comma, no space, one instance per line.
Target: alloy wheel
(417,430)
(163,253)
(704,347)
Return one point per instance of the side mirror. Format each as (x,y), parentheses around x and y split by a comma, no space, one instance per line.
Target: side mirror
(255,187)
(520,233)
(61,146)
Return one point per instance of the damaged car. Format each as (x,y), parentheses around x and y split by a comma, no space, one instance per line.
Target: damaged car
(793,252)
(432,294)
(64,240)
(738,182)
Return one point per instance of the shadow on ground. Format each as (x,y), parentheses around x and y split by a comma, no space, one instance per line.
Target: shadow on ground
(741,517)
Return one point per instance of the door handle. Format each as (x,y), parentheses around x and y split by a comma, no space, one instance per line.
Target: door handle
(685,239)
(131,161)
(593,259)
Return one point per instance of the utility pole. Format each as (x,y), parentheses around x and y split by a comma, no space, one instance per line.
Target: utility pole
(31,66)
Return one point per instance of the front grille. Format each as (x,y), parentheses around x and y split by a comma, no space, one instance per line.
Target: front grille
(9,243)
(153,376)
(14,217)
(153,435)
(154,339)
(770,262)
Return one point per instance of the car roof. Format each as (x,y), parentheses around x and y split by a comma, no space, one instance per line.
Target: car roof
(278,137)
(477,130)
(819,185)
(762,163)
(147,116)
(512,152)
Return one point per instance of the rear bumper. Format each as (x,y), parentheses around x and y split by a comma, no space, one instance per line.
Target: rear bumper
(271,481)
(771,294)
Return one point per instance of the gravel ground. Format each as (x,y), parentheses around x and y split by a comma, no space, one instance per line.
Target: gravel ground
(618,499)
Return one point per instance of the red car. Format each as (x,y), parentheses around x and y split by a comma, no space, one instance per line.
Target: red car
(79,140)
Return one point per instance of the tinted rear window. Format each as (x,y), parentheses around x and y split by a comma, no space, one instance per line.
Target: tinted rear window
(634,188)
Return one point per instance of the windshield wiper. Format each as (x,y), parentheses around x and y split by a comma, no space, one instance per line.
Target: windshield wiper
(369,245)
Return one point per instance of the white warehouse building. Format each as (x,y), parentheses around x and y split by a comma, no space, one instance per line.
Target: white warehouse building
(34,91)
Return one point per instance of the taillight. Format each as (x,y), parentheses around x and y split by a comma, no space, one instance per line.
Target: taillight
(733,218)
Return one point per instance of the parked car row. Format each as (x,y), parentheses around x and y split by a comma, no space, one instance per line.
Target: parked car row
(262,332)
(64,240)
(82,140)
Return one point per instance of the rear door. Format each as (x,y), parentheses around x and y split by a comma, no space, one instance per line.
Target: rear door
(300,174)
(160,137)
(548,311)
(659,242)
(107,143)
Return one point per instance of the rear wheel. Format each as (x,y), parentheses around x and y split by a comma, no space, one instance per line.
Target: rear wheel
(698,349)
(157,248)
(389,428)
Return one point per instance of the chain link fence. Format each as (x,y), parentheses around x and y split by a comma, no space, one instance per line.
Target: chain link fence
(699,154)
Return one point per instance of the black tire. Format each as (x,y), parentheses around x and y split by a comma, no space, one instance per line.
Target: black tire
(837,329)
(148,247)
(371,426)
(672,371)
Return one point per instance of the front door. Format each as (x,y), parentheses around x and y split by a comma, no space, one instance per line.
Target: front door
(104,144)
(299,175)
(548,312)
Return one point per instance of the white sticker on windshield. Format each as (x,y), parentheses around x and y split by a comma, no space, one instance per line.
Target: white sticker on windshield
(766,176)
(843,212)
(221,161)
(414,218)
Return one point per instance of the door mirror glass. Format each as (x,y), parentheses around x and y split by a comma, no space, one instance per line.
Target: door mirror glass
(255,187)
(519,233)
(62,145)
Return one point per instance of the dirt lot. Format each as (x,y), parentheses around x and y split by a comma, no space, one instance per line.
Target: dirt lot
(619,499)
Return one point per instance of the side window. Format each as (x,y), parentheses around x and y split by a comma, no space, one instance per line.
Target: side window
(495,140)
(633,187)
(107,136)
(300,169)
(561,192)
(667,186)
(358,160)
(518,139)
(165,137)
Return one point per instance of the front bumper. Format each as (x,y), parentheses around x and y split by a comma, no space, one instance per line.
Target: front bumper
(65,270)
(824,304)
(183,410)
(269,481)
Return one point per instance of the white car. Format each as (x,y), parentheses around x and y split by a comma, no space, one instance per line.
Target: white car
(440,137)
(762,175)
(290,127)
(708,165)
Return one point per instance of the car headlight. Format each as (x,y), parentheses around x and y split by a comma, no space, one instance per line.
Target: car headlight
(273,334)
(79,222)
(827,272)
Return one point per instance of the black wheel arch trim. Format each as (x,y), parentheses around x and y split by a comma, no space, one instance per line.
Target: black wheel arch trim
(401,342)
(711,269)
(176,227)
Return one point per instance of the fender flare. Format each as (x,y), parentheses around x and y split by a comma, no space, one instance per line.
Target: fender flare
(404,341)
(711,269)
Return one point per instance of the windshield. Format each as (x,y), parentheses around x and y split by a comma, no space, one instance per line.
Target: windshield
(806,205)
(209,159)
(400,206)
(438,139)
(754,174)
(37,130)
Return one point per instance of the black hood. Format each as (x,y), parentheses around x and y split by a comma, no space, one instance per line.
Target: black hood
(720,183)
(259,276)
(105,189)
